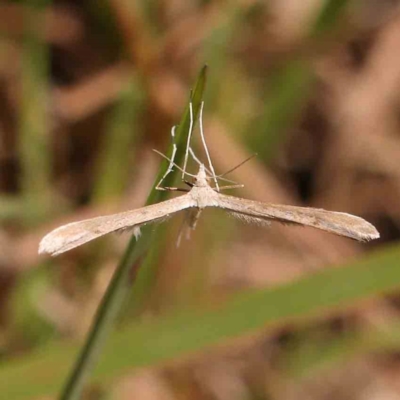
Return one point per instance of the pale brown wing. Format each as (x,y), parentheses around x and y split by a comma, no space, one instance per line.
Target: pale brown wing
(72,235)
(335,222)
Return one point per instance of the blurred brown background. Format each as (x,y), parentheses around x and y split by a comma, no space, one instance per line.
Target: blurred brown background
(87,89)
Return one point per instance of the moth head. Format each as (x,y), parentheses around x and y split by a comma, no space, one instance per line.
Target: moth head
(201,177)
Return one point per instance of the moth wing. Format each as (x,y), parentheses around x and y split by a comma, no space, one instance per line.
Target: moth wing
(75,234)
(335,222)
(263,222)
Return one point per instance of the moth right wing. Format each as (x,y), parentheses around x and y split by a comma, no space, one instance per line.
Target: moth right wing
(75,234)
(335,222)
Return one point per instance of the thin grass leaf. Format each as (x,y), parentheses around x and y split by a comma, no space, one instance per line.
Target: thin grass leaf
(33,126)
(146,275)
(120,137)
(126,271)
(328,17)
(291,86)
(308,360)
(188,331)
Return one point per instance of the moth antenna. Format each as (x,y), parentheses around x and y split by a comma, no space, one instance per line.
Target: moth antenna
(237,166)
(228,180)
(207,170)
(175,165)
(195,158)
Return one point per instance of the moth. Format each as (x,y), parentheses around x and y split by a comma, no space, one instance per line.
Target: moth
(204,191)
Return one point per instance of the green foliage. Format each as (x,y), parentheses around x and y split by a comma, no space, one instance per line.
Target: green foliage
(184,332)
(187,331)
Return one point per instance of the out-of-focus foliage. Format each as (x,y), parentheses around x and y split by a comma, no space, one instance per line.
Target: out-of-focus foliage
(87,89)
(151,342)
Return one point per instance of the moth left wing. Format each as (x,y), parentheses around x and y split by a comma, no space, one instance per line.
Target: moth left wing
(335,222)
(75,234)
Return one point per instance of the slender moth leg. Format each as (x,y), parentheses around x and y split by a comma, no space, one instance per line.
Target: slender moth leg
(171,160)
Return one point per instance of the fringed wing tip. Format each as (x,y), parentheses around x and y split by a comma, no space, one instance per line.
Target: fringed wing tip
(370,233)
(357,228)
(64,238)
(52,244)
(46,247)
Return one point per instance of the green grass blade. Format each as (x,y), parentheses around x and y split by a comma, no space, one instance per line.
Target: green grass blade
(121,282)
(173,336)
(328,17)
(146,275)
(286,98)
(291,85)
(310,358)
(33,126)
(119,138)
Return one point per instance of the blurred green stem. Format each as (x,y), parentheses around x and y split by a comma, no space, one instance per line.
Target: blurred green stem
(124,275)
(120,135)
(292,83)
(33,135)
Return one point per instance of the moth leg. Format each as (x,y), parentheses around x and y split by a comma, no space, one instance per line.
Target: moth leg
(188,140)
(189,223)
(195,158)
(183,228)
(206,148)
(174,189)
(239,185)
(171,160)
(193,218)
(190,184)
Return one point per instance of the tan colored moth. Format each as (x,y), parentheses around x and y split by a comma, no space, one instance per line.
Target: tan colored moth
(200,196)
